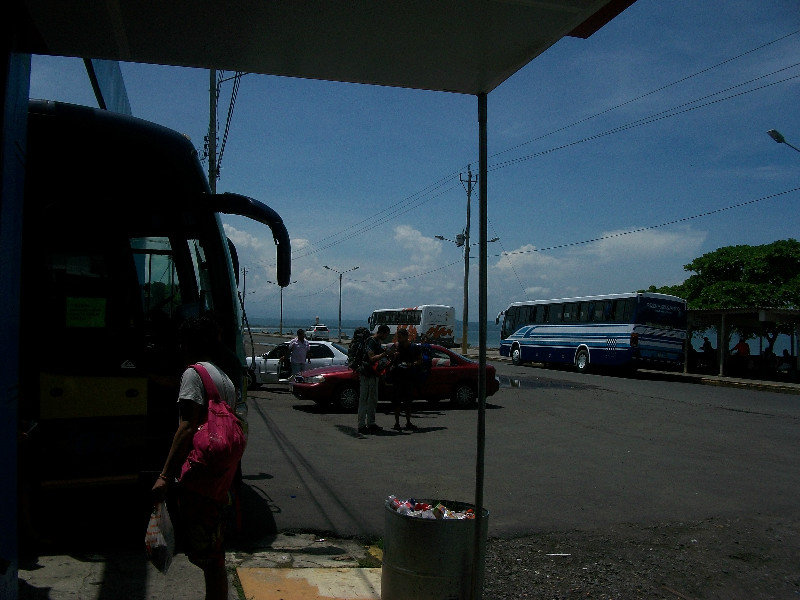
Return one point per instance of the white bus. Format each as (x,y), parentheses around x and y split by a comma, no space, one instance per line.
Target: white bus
(435,322)
(634,329)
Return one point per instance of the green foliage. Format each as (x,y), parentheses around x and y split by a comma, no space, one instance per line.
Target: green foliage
(743,277)
(766,276)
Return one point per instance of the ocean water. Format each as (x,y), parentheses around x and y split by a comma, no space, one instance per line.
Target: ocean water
(271,325)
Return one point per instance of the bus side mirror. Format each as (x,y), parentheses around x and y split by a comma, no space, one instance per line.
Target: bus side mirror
(234,260)
(243,206)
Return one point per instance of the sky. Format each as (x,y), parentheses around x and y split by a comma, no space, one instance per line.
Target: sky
(613,162)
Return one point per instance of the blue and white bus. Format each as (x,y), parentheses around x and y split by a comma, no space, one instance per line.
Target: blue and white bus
(621,330)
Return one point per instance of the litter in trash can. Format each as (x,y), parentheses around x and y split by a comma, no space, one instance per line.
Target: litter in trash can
(424,510)
(430,550)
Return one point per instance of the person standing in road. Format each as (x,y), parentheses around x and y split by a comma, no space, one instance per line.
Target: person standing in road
(406,360)
(298,352)
(368,380)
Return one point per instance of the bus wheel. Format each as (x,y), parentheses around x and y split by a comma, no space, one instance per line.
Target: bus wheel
(347,398)
(582,361)
(516,356)
(463,395)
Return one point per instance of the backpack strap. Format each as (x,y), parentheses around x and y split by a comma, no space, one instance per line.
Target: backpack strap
(208,383)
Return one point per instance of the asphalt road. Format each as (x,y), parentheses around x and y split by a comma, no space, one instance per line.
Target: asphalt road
(564,451)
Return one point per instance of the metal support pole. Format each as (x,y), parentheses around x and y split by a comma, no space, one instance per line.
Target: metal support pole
(212,131)
(465,312)
(478,549)
(280,324)
(340,308)
(722,346)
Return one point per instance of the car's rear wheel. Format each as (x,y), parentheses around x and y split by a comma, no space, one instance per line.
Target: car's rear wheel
(464,395)
(347,398)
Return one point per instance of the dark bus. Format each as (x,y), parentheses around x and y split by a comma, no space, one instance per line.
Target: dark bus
(122,241)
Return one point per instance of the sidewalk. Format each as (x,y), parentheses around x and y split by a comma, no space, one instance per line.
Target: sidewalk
(292,567)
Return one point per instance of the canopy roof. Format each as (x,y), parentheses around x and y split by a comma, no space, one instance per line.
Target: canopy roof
(468,47)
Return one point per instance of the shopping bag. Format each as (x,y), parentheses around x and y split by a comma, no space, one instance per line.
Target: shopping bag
(159,540)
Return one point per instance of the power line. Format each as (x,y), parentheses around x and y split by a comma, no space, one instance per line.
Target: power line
(659,116)
(650,227)
(407,276)
(399,209)
(650,93)
(387,217)
(405,206)
(592,240)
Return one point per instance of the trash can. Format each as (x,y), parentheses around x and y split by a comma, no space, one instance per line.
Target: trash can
(430,559)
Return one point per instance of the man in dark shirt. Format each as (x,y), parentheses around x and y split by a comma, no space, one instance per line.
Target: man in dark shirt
(406,359)
(368,395)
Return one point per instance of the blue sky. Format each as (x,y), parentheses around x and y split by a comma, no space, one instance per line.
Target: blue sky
(580,149)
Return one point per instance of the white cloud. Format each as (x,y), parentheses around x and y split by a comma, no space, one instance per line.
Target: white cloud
(421,250)
(660,243)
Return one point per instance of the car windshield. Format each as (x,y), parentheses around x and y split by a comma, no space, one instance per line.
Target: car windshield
(340,348)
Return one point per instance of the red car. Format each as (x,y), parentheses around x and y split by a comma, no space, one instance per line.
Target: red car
(451,376)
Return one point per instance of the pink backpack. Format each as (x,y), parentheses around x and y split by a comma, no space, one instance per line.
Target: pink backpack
(217,447)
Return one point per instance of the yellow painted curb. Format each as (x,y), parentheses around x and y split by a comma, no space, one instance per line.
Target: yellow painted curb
(310,584)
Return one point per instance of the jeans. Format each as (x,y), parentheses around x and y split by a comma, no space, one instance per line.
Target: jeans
(367,401)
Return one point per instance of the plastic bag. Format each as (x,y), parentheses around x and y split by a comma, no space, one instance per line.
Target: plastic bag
(159,540)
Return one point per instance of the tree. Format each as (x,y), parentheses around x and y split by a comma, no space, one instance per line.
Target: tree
(766,276)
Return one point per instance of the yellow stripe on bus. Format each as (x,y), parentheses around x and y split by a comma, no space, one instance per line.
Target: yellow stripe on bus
(69,396)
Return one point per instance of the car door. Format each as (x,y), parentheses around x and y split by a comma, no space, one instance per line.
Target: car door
(439,383)
(271,364)
(321,356)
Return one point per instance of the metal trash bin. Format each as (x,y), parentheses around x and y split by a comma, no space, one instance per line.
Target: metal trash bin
(430,559)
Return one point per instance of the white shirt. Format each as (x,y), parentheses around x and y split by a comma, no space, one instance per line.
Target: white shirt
(192,386)
(299,350)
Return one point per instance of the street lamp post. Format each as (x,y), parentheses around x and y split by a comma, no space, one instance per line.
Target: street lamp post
(340,294)
(463,240)
(280,325)
(776,135)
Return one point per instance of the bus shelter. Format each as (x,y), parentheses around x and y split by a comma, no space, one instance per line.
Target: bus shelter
(469,48)
(764,323)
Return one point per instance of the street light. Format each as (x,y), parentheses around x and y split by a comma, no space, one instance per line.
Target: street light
(776,135)
(462,239)
(340,294)
(280,326)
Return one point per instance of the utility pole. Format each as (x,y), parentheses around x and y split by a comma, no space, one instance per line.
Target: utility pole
(244,292)
(212,131)
(465,315)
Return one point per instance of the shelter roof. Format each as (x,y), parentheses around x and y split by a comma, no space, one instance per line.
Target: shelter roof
(468,47)
(745,315)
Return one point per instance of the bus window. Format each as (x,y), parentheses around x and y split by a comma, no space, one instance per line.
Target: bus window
(541,313)
(158,279)
(570,313)
(555,310)
(202,275)
(584,310)
(623,310)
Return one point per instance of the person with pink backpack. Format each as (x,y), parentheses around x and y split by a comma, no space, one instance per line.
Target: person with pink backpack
(205,452)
